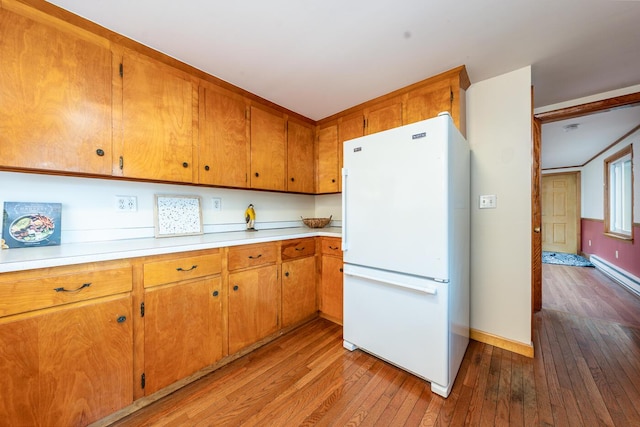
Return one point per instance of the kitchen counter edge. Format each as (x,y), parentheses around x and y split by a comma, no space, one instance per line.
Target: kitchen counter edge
(20,259)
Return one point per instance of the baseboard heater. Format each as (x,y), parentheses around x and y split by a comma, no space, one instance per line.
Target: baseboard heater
(621,276)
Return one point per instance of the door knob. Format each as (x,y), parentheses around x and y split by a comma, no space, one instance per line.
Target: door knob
(536,230)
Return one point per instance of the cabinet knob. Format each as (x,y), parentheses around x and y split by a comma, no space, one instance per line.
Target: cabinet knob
(235,287)
(206,167)
(292,179)
(185,164)
(215,293)
(100,152)
(257,174)
(122,319)
(286,274)
(333,180)
(340,270)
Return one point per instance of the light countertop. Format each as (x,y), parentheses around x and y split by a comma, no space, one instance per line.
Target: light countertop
(18,259)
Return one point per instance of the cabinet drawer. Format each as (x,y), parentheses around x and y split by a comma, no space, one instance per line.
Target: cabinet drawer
(35,293)
(176,269)
(251,255)
(331,246)
(298,248)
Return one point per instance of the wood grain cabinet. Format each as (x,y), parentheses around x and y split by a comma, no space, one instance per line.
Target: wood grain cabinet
(300,158)
(159,105)
(224,138)
(331,278)
(254,294)
(383,116)
(183,317)
(328,171)
(299,301)
(268,150)
(71,363)
(55,98)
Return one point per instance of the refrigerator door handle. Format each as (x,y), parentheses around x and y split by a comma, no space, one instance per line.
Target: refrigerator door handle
(430,291)
(345,244)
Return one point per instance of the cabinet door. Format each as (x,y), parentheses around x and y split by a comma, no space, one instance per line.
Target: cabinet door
(268,150)
(348,128)
(157,121)
(385,117)
(85,362)
(331,288)
(427,102)
(19,399)
(328,170)
(55,99)
(300,165)
(253,306)
(298,290)
(182,330)
(224,145)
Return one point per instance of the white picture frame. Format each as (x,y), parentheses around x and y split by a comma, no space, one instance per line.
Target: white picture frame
(177,215)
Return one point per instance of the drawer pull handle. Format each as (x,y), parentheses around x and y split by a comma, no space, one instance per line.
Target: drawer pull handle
(122,319)
(188,269)
(255,257)
(85,285)
(333,247)
(300,249)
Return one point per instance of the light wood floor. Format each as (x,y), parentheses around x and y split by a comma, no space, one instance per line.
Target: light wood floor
(586,372)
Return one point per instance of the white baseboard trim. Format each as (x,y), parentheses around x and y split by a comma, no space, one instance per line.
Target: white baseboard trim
(621,276)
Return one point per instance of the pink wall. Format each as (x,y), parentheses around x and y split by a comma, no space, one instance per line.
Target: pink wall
(605,247)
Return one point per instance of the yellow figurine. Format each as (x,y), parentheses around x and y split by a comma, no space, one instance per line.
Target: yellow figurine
(250,218)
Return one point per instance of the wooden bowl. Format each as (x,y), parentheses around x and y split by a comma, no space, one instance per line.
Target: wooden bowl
(316,222)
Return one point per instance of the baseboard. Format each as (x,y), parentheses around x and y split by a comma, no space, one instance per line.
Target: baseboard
(503,343)
(621,276)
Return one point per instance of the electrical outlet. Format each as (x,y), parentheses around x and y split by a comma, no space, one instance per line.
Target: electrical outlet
(616,254)
(126,203)
(217,204)
(488,202)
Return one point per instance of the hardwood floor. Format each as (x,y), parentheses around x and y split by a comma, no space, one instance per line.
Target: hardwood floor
(586,372)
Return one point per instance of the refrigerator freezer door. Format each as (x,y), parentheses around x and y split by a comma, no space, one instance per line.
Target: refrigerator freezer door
(395,199)
(401,319)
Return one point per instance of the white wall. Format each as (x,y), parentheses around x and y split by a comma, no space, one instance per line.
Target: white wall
(89,213)
(499,133)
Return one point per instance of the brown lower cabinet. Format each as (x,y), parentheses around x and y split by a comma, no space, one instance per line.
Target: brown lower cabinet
(182,330)
(331,279)
(253,306)
(81,342)
(70,367)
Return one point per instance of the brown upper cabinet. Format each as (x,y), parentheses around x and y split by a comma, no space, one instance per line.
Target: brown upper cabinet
(158,104)
(224,138)
(268,150)
(300,158)
(384,116)
(78,99)
(55,98)
(327,161)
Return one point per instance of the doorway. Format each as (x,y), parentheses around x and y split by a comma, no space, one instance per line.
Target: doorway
(536,182)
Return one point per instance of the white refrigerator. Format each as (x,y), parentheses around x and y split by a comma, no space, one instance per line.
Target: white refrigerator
(405,237)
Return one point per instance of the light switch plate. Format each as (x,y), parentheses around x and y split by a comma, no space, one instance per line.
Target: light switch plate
(488,201)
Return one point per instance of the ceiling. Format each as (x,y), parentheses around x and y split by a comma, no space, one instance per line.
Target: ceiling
(319,57)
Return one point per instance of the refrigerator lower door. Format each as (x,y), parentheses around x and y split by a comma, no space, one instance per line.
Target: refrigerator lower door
(401,319)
